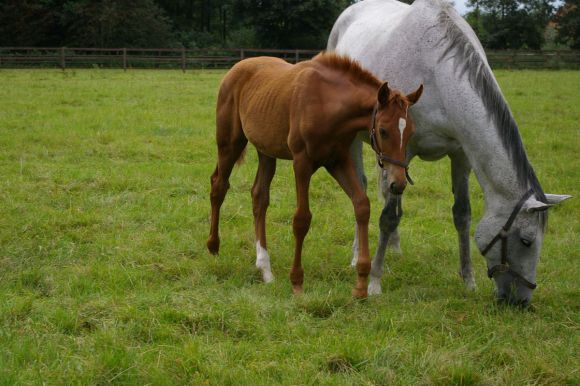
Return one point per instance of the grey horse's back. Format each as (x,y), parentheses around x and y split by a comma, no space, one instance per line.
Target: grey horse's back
(353,14)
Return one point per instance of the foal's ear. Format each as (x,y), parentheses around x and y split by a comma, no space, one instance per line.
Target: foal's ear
(384,92)
(414,96)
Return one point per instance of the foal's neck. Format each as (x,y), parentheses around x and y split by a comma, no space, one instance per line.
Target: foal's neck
(366,100)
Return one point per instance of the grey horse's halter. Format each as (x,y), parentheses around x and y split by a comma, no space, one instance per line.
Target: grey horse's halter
(381,157)
(503,235)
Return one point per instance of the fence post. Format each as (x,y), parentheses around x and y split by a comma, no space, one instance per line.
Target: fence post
(62,58)
(125,59)
(183,59)
(242,54)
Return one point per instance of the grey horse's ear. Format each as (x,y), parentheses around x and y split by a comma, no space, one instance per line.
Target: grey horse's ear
(383,96)
(533,205)
(414,96)
(554,199)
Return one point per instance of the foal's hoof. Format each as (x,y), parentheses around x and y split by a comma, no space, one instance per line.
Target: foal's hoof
(213,245)
(359,293)
(297,289)
(267,276)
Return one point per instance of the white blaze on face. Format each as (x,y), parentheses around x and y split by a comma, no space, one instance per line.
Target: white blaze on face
(402,126)
(263,263)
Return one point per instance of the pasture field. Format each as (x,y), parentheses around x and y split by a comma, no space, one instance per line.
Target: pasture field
(105,279)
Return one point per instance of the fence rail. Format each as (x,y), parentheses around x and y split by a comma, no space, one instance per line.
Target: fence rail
(127,58)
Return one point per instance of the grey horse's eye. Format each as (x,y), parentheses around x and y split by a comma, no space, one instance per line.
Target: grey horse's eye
(526,242)
(383,132)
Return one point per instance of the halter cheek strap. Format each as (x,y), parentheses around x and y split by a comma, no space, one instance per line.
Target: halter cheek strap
(381,157)
(503,236)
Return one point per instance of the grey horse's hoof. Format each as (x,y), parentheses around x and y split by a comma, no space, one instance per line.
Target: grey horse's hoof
(469,281)
(374,285)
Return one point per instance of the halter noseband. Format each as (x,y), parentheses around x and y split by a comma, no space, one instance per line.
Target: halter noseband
(381,157)
(503,235)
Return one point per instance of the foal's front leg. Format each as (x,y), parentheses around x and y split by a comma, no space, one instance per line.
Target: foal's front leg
(356,156)
(303,170)
(344,172)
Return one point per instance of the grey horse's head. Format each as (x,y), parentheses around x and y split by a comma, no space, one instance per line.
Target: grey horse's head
(523,242)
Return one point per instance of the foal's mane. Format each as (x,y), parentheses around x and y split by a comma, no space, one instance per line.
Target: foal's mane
(347,65)
(468,61)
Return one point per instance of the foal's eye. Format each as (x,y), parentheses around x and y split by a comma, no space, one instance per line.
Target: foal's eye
(526,242)
(383,132)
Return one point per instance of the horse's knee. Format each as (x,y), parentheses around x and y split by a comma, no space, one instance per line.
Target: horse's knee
(362,209)
(461,214)
(390,219)
(217,198)
(363,267)
(301,223)
(214,176)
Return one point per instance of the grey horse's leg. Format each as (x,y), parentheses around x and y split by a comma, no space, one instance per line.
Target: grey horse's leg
(460,171)
(356,155)
(388,223)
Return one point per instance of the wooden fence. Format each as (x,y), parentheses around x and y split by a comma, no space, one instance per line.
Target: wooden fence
(127,58)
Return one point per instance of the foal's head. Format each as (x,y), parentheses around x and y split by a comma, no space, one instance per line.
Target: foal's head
(392,127)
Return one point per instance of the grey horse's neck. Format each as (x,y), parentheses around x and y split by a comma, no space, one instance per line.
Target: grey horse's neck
(493,143)
(475,113)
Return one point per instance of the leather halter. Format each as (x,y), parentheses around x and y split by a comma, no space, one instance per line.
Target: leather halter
(381,157)
(503,236)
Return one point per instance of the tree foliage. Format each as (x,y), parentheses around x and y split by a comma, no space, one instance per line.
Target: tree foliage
(290,23)
(90,23)
(567,21)
(512,24)
(249,23)
(166,23)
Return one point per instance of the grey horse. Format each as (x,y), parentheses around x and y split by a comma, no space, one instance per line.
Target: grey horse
(463,115)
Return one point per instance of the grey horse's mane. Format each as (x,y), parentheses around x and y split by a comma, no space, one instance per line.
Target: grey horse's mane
(468,61)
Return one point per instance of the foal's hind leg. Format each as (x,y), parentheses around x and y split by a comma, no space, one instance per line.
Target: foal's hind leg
(303,170)
(228,153)
(261,200)
(460,170)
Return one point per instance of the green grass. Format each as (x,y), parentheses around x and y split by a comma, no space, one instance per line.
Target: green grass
(104,276)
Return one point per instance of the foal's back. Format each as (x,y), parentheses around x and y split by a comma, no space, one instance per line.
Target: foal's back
(270,96)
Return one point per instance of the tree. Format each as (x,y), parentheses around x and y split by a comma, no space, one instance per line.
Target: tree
(29,23)
(290,23)
(513,24)
(568,23)
(110,23)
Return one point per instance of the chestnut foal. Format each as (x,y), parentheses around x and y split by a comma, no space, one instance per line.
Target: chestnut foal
(309,113)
